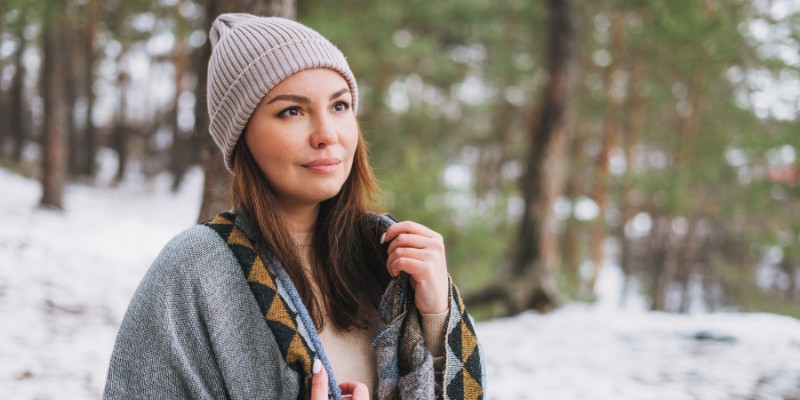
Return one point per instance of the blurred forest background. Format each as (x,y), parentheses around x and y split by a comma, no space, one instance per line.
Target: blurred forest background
(546,140)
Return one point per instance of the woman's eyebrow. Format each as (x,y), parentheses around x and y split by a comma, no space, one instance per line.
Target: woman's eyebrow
(290,97)
(339,93)
(302,99)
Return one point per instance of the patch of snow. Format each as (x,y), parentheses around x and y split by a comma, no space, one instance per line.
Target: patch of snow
(593,352)
(66,278)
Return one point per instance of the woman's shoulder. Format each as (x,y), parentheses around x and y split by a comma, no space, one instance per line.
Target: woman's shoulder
(197,251)
(199,241)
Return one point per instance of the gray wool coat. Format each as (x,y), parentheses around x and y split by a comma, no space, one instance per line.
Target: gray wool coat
(193,330)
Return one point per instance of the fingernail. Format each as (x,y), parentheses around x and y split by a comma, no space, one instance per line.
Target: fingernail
(383,237)
(316,366)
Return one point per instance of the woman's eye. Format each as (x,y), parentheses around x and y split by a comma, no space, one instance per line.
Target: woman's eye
(341,106)
(289,112)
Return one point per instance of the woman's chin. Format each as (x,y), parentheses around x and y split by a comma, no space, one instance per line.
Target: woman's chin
(324,194)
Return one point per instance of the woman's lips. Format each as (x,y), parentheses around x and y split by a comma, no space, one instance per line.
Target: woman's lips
(323,165)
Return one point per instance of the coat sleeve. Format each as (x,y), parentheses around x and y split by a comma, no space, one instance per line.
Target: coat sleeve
(193,331)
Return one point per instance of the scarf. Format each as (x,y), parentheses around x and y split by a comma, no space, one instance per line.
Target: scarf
(405,366)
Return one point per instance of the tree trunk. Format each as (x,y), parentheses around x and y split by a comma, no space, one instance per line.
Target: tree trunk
(18,107)
(690,127)
(637,119)
(120,131)
(71,71)
(87,166)
(789,268)
(573,248)
(666,277)
(535,263)
(55,110)
(179,153)
(215,195)
(4,101)
(692,245)
(611,134)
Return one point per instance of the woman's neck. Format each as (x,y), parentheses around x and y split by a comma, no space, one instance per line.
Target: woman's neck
(300,218)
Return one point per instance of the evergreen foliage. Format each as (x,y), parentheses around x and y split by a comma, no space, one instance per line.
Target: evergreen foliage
(699,192)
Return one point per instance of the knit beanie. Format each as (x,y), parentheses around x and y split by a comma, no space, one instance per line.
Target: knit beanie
(249,56)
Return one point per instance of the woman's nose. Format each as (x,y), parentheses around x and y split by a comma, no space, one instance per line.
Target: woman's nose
(324,132)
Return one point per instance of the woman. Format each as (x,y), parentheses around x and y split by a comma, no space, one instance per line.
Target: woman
(301,284)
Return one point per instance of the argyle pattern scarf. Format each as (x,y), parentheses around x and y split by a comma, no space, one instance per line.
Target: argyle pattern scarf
(281,317)
(404,366)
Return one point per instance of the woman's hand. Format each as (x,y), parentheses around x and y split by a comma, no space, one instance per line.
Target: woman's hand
(319,385)
(419,252)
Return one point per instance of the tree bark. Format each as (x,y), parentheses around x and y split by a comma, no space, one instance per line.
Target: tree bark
(179,153)
(4,98)
(535,262)
(55,110)
(69,41)
(637,120)
(120,131)
(611,134)
(690,125)
(692,244)
(215,194)
(18,106)
(789,268)
(574,235)
(667,265)
(87,166)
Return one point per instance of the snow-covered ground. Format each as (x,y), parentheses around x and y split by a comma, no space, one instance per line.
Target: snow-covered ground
(66,278)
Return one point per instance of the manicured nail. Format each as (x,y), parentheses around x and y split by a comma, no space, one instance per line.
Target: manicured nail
(383,237)
(316,366)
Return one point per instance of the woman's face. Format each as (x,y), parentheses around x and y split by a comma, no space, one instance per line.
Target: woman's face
(303,136)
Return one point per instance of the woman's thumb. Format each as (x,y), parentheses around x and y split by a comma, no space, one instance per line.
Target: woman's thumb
(319,381)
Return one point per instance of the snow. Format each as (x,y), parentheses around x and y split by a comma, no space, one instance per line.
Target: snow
(580,352)
(66,278)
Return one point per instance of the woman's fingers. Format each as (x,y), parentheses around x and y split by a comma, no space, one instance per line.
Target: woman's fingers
(319,381)
(419,252)
(416,241)
(408,227)
(356,390)
(412,261)
(319,385)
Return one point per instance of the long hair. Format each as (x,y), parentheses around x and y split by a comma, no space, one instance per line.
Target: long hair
(348,263)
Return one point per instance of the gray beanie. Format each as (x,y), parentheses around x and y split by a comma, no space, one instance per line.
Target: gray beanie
(249,56)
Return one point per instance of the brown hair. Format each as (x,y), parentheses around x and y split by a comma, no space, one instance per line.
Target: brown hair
(348,263)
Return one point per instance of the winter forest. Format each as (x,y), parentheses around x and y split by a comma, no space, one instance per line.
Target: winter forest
(550,142)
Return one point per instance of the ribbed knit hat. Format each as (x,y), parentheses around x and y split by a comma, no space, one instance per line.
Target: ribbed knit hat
(250,55)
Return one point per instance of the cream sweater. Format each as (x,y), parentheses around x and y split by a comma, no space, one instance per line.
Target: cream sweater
(350,352)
